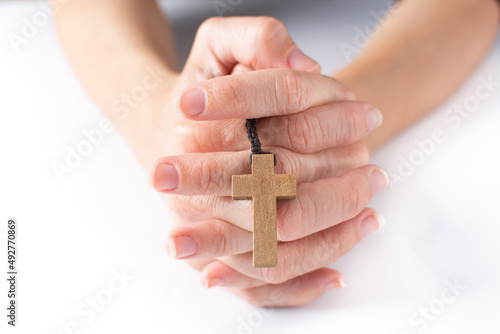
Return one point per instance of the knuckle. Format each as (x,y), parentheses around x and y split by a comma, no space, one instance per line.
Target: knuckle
(268,275)
(276,275)
(288,163)
(352,200)
(179,205)
(294,219)
(191,207)
(208,25)
(340,243)
(230,97)
(347,128)
(219,241)
(322,252)
(210,171)
(336,247)
(351,203)
(309,211)
(345,242)
(304,132)
(268,29)
(205,176)
(290,92)
(206,205)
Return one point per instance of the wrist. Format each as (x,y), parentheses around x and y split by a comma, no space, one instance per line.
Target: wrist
(141,114)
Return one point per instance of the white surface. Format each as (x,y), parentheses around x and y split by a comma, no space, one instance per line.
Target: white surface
(442,222)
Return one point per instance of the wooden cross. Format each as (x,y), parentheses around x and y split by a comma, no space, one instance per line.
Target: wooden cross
(264,188)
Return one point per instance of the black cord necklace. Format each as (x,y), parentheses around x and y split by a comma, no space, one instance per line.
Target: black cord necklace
(253,137)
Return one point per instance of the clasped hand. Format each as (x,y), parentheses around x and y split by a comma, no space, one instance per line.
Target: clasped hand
(243,68)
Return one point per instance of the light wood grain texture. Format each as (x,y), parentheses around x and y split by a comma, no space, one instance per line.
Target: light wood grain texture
(264,187)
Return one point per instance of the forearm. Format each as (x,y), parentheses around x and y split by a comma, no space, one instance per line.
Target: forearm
(422,55)
(114,46)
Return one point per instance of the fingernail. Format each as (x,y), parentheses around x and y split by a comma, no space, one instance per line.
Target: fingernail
(371,224)
(210,282)
(299,61)
(379,181)
(181,246)
(373,119)
(192,102)
(335,284)
(165,177)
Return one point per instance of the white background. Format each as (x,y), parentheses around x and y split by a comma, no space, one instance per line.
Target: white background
(442,221)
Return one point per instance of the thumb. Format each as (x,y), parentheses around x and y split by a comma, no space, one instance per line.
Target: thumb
(255,42)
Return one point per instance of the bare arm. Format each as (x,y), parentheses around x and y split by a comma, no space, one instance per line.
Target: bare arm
(111,43)
(415,62)
(113,46)
(426,50)
(110,46)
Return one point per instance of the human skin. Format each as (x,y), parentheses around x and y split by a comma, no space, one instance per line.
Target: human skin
(419,58)
(126,36)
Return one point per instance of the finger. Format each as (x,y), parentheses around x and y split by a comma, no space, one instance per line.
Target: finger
(256,42)
(315,129)
(218,273)
(259,94)
(324,203)
(207,239)
(199,264)
(296,292)
(319,205)
(304,255)
(331,125)
(240,68)
(210,174)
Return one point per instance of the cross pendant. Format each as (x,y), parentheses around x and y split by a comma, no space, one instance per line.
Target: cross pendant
(264,188)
